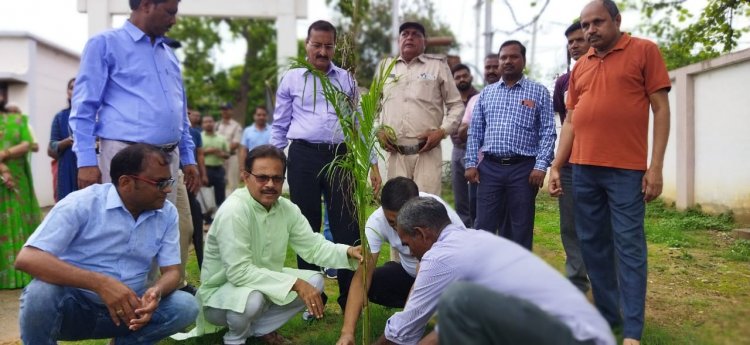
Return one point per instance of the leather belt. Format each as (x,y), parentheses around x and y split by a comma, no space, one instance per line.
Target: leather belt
(508,160)
(410,149)
(167,148)
(331,147)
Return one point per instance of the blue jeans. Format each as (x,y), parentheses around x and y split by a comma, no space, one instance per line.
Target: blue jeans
(574,267)
(609,213)
(52,312)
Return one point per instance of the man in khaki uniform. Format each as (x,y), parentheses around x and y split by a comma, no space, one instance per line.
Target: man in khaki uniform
(422,105)
(232,131)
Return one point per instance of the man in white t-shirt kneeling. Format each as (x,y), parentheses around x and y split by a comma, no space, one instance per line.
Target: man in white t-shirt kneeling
(389,285)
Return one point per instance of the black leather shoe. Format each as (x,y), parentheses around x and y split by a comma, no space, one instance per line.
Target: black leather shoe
(189,289)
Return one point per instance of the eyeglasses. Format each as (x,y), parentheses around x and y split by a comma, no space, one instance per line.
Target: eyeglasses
(263,179)
(161,185)
(320,45)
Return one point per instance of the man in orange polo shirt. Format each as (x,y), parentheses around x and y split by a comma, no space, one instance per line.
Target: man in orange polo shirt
(605,135)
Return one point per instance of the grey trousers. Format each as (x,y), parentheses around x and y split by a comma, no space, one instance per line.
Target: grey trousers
(575,269)
(260,317)
(471,314)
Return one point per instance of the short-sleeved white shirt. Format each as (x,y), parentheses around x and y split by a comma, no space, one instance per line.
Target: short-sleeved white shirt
(378,231)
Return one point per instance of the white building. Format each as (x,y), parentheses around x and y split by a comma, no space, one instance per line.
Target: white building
(33,75)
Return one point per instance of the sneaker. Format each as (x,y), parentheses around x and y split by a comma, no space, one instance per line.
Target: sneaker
(331,273)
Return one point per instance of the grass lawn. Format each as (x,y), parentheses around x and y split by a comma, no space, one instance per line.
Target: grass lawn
(698,292)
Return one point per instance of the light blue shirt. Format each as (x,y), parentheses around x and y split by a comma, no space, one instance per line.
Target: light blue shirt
(479,257)
(513,121)
(129,90)
(302,111)
(252,137)
(91,229)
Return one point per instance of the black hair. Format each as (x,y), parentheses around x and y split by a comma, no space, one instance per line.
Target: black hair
(491,56)
(321,25)
(514,42)
(135,3)
(132,160)
(264,151)
(611,7)
(573,27)
(459,66)
(397,191)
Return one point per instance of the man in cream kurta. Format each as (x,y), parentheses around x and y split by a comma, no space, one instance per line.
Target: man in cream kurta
(244,283)
(422,105)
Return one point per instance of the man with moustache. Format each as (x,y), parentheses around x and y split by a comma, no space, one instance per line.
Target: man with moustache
(514,127)
(304,116)
(230,129)
(605,138)
(91,255)
(416,95)
(245,285)
(256,134)
(129,90)
(491,76)
(463,79)
(574,266)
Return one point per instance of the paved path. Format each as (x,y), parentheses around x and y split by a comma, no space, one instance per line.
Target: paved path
(9,317)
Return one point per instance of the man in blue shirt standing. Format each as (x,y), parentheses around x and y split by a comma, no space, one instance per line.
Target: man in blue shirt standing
(91,256)
(129,90)
(256,134)
(514,126)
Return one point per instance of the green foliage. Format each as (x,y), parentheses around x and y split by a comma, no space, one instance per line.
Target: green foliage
(373,34)
(739,251)
(246,85)
(682,38)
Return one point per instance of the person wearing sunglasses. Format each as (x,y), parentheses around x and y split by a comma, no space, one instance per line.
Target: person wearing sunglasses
(246,287)
(91,256)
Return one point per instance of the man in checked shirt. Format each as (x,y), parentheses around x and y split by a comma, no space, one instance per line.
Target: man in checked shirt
(514,126)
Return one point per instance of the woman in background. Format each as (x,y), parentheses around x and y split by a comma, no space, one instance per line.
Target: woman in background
(19,209)
(60,148)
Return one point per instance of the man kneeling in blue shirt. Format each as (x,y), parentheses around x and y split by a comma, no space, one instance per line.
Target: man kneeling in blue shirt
(91,256)
(506,294)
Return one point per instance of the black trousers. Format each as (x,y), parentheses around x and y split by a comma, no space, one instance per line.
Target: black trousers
(216,178)
(308,178)
(195,211)
(390,285)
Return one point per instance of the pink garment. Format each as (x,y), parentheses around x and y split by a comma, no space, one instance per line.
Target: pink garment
(467,120)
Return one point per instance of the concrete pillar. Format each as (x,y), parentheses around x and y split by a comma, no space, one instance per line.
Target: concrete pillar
(286,33)
(685,140)
(100,15)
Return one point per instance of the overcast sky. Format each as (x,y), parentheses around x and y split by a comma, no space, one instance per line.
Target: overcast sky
(58,21)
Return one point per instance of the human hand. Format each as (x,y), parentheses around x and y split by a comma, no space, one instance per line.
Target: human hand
(120,300)
(385,141)
(192,178)
(536,178)
(432,139)
(88,176)
(346,339)
(149,303)
(555,186)
(310,296)
(471,175)
(375,179)
(652,184)
(355,253)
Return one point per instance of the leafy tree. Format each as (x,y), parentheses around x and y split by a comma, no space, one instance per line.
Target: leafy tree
(682,38)
(245,85)
(373,40)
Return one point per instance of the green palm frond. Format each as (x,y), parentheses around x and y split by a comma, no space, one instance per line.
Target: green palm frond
(357,115)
